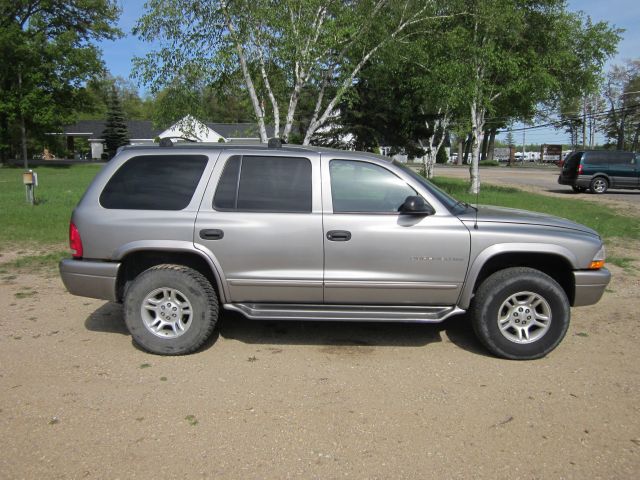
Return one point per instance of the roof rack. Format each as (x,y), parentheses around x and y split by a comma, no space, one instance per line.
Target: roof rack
(276,142)
(166,141)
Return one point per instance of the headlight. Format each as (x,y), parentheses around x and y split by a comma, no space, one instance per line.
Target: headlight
(598,259)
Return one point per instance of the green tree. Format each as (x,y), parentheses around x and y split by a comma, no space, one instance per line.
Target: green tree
(283,48)
(409,96)
(520,51)
(98,91)
(622,93)
(115,132)
(47,53)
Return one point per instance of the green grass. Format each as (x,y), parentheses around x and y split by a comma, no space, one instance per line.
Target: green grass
(601,218)
(47,222)
(37,262)
(623,262)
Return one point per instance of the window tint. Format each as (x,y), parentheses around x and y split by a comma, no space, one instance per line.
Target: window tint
(596,158)
(265,184)
(225,197)
(361,187)
(622,158)
(154,182)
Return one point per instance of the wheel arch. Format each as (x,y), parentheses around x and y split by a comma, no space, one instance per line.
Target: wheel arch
(557,262)
(139,256)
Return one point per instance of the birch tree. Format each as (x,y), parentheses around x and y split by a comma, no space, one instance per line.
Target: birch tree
(521,50)
(318,45)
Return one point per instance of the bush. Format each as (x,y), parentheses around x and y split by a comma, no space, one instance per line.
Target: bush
(441,156)
(489,163)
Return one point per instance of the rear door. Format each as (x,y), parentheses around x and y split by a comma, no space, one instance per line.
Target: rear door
(261,219)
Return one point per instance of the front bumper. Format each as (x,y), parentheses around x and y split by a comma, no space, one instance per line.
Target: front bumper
(87,278)
(590,285)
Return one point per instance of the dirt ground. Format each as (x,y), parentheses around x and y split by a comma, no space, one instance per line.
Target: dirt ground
(311,400)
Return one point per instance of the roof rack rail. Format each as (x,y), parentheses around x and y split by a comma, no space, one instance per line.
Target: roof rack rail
(276,142)
(166,141)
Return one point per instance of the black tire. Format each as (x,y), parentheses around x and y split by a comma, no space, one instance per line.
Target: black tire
(578,189)
(194,302)
(599,185)
(490,307)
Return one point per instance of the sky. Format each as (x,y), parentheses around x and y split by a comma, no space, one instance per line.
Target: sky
(624,14)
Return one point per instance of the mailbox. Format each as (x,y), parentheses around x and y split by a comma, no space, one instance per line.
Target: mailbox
(28,177)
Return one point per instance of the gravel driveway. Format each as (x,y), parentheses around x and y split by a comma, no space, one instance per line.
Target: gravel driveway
(312,400)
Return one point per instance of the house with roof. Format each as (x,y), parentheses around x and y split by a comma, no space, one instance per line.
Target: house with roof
(142,132)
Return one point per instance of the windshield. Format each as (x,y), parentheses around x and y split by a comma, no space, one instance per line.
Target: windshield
(447,200)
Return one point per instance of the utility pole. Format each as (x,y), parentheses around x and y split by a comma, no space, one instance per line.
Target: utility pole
(524,136)
(584,122)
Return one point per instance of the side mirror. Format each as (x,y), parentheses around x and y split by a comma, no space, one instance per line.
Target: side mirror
(416,205)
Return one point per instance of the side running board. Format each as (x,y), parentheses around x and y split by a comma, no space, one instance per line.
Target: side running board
(348,313)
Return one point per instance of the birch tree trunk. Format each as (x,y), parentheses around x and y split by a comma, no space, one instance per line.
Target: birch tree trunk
(477,135)
(255,102)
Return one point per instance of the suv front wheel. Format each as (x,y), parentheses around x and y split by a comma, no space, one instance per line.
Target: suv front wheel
(170,309)
(520,313)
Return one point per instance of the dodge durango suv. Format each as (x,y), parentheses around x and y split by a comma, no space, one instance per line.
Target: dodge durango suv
(277,232)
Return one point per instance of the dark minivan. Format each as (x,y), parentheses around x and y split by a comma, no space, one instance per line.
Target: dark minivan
(599,170)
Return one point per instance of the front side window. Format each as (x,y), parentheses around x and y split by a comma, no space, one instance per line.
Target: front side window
(623,159)
(154,182)
(361,187)
(265,184)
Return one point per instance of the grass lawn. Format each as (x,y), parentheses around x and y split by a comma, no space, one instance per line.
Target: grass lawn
(602,219)
(44,227)
(46,223)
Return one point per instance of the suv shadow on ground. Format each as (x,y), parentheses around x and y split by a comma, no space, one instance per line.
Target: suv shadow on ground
(109,318)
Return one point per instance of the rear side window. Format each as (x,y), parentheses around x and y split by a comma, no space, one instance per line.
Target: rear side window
(572,160)
(154,182)
(596,158)
(265,184)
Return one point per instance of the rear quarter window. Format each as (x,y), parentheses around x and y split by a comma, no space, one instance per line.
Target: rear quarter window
(595,158)
(154,182)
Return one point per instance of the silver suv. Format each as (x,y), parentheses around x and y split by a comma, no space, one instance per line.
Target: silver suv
(305,233)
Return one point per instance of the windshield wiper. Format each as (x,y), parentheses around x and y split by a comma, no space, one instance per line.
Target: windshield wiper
(465,204)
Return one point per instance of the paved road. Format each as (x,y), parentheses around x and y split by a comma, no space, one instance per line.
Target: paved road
(543,180)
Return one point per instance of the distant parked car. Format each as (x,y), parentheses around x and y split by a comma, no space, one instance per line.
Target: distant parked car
(600,170)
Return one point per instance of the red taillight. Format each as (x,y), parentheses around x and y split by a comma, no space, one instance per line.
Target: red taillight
(580,169)
(75,242)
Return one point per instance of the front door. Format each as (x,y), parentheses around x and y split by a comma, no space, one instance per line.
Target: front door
(373,254)
(262,220)
(623,170)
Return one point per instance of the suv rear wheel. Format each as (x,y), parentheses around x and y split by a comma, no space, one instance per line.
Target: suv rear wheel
(520,313)
(599,185)
(170,309)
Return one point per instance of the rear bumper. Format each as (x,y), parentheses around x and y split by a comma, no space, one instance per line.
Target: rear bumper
(590,285)
(579,181)
(92,279)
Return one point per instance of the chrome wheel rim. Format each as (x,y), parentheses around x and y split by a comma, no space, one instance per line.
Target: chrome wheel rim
(599,185)
(524,317)
(166,312)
